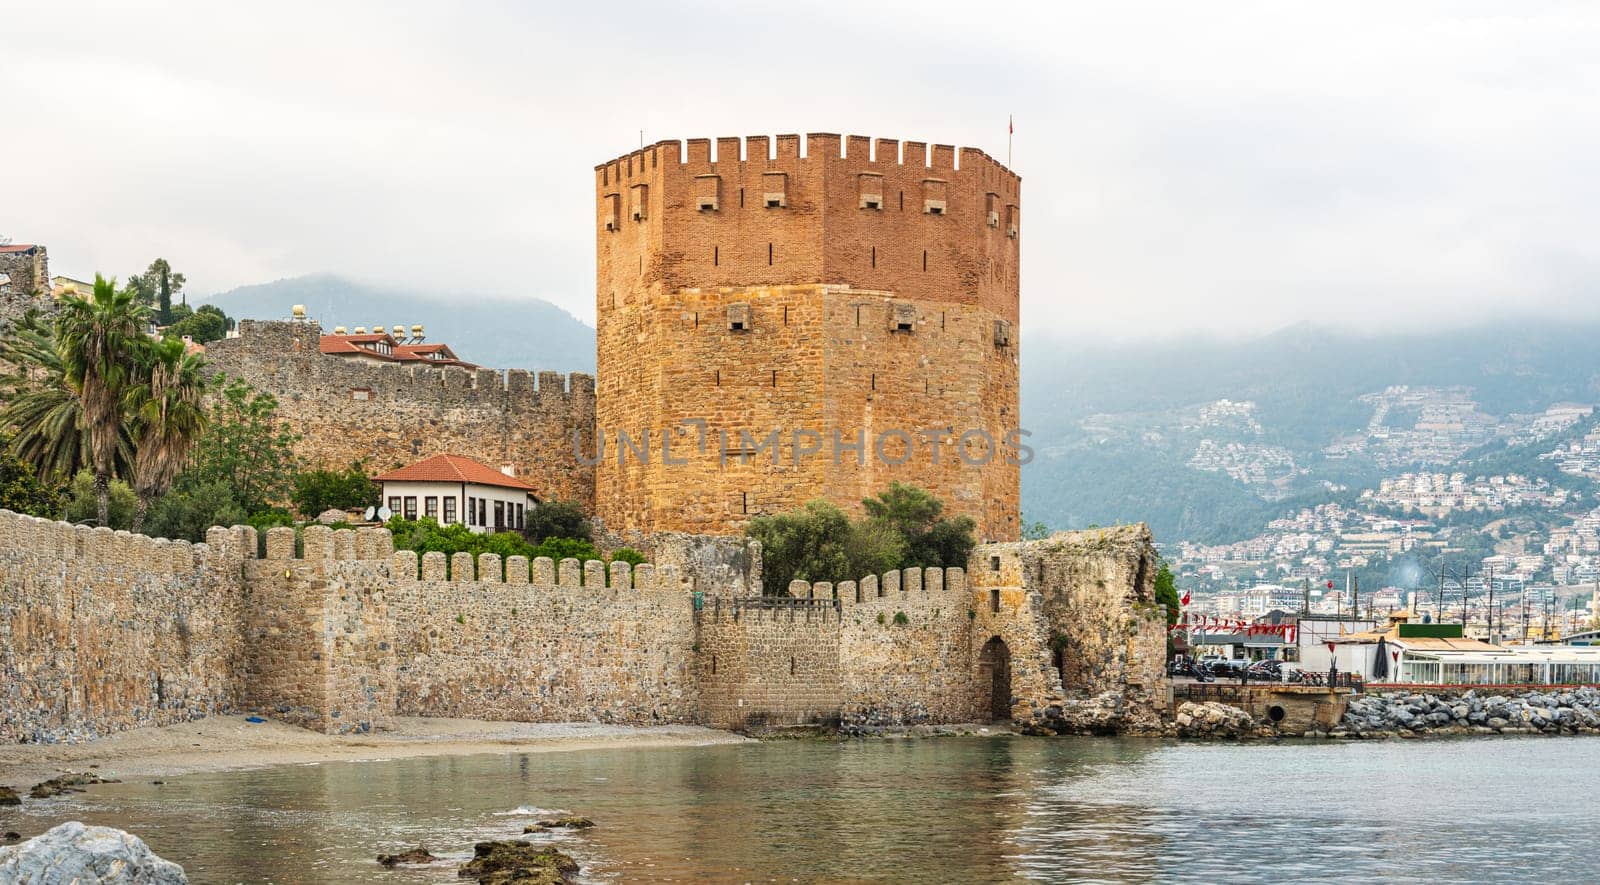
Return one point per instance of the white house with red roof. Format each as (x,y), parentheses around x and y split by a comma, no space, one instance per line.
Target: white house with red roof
(451,489)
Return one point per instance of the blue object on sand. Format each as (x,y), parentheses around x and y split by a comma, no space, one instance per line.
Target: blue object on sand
(254,719)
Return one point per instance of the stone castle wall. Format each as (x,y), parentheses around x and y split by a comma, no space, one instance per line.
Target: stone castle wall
(1105,633)
(390,415)
(335,631)
(320,637)
(766,665)
(102,631)
(849,308)
(27,286)
(542,641)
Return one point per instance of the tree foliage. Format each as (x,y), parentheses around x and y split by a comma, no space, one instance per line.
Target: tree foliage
(99,338)
(931,538)
(21,490)
(247,446)
(167,418)
(43,408)
(427,536)
(204,325)
(347,489)
(556,519)
(83,502)
(904,527)
(192,508)
(1167,593)
(155,288)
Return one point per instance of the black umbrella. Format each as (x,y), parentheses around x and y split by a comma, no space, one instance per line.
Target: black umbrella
(1380,667)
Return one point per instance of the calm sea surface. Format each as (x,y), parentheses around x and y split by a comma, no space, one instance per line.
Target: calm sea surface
(945,810)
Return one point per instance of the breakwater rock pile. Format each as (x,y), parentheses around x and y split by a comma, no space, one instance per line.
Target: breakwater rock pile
(1211,719)
(1567,711)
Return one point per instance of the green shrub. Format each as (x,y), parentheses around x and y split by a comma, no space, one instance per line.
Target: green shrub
(901,619)
(628,555)
(556,519)
(82,508)
(427,536)
(904,527)
(319,490)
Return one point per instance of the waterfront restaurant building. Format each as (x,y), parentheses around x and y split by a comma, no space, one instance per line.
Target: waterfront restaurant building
(451,489)
(1438,654)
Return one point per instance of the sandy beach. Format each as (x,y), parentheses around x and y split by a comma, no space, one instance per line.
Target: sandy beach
(226,743)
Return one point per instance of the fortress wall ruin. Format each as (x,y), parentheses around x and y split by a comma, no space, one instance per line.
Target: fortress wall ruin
(338,632)
(390,415)
(102,631)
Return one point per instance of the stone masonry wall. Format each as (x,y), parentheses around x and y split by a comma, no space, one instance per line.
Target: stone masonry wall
(388,415)
(542,641)
(1104,632)
(320,638)
(103,631)
(765,664)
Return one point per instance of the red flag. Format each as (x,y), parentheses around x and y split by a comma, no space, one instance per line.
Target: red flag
(1185,599)
(1011,125)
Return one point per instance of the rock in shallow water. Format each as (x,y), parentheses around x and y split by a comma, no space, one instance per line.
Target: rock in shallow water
(501,863)
(415,855)
(571,822)
(76,853)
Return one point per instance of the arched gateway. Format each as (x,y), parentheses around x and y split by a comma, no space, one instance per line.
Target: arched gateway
(994,679)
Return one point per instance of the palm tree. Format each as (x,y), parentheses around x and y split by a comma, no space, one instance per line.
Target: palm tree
(167,418)
(99,339)
(43,408)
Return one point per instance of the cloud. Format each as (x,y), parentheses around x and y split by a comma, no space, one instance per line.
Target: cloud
(1187,167)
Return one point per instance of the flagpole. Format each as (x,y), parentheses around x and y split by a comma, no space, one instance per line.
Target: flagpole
(1011,131)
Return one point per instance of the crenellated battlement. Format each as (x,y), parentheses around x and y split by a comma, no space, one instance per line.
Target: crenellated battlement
(813,148)
(272,346)
(51,540)
(892,587)
(375,546)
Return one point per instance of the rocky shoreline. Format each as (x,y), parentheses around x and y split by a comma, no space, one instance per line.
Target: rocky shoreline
(1574,711)
(1378,715)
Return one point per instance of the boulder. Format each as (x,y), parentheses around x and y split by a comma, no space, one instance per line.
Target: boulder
(9,796)
(73,852)
(571,822)
(1211,719)
(414,855)
(504,862)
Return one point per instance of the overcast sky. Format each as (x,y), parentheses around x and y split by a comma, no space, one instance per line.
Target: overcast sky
(1186,166)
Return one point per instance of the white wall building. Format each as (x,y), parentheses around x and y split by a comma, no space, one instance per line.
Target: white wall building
(451,489)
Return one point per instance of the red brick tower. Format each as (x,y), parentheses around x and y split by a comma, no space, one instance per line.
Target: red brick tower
(840,292)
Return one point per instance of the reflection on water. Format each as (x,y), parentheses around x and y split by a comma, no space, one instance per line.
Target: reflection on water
(947,810)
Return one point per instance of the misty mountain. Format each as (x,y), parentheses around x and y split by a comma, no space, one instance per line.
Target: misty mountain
(502,333)
(1114,449)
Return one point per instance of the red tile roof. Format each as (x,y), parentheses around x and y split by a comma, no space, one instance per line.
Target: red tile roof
(18,247)
(398,353)
(453,468)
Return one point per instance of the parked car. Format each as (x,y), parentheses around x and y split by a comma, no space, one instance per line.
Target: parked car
(1266,671)
(1228,668)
